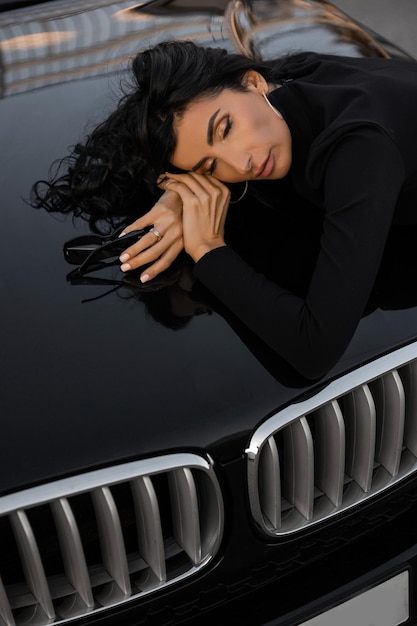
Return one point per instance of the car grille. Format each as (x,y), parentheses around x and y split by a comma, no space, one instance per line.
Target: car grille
(354,439)
(79,545)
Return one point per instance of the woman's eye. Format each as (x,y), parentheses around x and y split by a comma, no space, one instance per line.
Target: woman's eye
(224,128)
(227,127)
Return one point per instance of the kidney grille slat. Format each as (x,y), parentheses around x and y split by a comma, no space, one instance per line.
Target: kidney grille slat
(299,466)
(150,538)
(185,512)
(388,392)
(360,422)
(31,562)
(270,483)
(330,451)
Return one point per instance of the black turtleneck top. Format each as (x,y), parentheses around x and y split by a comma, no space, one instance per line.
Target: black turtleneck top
(353,124)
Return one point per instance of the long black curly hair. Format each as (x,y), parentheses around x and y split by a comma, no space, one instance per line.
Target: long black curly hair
(114,172)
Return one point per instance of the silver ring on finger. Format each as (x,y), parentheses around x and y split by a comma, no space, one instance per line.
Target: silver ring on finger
(156,232)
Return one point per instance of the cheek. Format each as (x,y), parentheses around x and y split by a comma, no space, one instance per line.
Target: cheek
(261,132)
(227,175)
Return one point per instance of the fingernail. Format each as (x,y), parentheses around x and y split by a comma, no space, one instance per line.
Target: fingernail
(144,278)
(125,267)
(124,257)
(122,234)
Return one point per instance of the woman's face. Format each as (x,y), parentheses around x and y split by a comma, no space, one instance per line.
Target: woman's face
(235,136)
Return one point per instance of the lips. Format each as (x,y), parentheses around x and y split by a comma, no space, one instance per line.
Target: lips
(266,167)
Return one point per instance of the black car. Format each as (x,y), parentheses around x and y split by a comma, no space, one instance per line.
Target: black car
(159,464)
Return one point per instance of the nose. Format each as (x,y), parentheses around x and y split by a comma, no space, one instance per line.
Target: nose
(240,161)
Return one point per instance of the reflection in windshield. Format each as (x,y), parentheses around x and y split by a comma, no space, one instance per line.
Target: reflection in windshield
(286,253)
(49,43)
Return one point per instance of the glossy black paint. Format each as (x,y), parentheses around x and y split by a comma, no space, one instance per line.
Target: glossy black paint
(90,384)
(85,385)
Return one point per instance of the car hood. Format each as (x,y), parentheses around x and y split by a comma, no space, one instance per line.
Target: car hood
(88,384)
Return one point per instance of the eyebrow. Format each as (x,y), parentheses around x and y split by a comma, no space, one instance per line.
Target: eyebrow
(210,130)
(210,127)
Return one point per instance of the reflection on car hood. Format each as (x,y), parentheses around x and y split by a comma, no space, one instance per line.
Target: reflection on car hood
(88,384)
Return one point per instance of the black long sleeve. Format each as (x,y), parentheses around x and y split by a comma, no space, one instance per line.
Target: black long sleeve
(363,177)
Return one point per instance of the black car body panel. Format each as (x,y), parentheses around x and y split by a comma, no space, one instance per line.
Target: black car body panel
(96,384)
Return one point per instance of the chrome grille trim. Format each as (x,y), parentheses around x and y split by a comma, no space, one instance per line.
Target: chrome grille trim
(352,440)
(113,535)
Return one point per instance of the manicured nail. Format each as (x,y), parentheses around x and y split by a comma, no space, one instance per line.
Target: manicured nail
(124,257)
(122,234)
(144,278)
(125,267)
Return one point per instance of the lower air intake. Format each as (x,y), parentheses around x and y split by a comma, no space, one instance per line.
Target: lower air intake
(351,441)
(76,546)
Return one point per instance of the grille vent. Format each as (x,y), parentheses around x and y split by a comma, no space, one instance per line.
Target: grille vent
(331,452)
(79,545)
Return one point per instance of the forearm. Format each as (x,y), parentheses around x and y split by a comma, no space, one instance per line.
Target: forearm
(275,315)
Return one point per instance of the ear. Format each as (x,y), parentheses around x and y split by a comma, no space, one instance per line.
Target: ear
(254,81)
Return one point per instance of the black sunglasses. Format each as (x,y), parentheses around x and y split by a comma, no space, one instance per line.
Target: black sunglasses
(92,252)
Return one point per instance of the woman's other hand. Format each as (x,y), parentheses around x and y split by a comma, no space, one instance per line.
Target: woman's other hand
(205,202)
(165,217)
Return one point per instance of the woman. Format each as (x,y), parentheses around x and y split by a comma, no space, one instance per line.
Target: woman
(338,132)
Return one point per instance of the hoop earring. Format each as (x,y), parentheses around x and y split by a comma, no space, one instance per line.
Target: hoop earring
(272,107)
(242,195)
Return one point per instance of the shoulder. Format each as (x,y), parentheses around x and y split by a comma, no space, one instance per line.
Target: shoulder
(334,67)
(361,147)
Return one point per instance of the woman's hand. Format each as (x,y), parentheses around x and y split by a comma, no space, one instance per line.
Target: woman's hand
(165,216)
(205,201)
